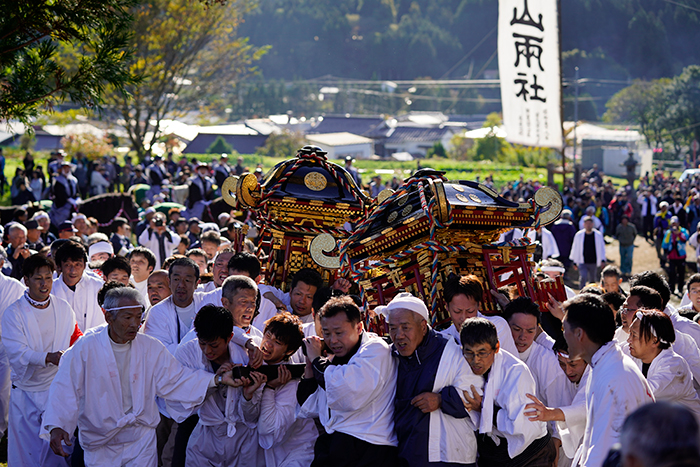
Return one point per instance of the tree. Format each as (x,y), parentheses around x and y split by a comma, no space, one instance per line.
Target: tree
(220,146)
(643,103)
(184,51)
(33,75)
(284,145)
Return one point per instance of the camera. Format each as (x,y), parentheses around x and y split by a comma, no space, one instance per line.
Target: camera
(158,222)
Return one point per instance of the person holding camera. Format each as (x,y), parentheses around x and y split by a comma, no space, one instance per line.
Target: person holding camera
(17,250)
(157,238)
(674,242)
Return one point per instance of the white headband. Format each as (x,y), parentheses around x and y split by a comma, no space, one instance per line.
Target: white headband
(552,269)
(143,308)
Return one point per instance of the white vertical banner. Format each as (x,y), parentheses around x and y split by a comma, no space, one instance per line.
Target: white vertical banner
(530,71)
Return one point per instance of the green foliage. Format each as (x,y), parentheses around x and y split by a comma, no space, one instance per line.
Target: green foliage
(92,146)
(282,145)
(666,110)
(33,74)
(220,146)
(27,141)
(184,50)
(460,148)
(438,150)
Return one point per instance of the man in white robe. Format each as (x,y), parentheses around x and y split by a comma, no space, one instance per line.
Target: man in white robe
(143,263)
(352,393)
(616,386)
(506,437)
(36,330)
(523,316)
(10,291)
(287,441)
(570,418)
(667,373)
(107,385)
(77,287)
(246,264)
(169,321)
(225,434)
(300,298)
(463,296)
(641,296)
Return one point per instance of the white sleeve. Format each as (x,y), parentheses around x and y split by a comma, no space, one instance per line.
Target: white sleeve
(347,385)
(62,405)
(277,413)
(156,325)
(22,357)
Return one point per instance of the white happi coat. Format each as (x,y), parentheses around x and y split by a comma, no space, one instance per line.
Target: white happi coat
(684,325)
(162,322)
(83,301)
(266,311)
(27,340)
(509,382)
(359,396)
(571,430)
(452,439)
(228,437)
(505,336)
(670,379)
(576,254)
(616,388)
(87,393)
(288,441)
(684,346)
(551,382)
(10,290)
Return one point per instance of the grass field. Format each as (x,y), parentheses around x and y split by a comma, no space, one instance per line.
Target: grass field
(454,170)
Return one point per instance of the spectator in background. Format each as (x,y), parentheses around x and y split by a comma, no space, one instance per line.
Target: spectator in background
(121,238)
(588,252)
(647,202)
(3,180)
(564,231)
(597,223)
(36,185)
(625,233)
(661,222)
(674,242)
(98,180)
(28,162)
(677,209)
(353,171)
(376,186)
(138,178)
(239,168)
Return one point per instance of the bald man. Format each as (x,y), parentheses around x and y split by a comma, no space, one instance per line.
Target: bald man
(158,286)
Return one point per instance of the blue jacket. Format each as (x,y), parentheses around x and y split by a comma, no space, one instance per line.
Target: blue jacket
(417,375)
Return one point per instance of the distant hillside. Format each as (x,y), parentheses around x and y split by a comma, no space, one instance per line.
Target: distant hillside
(395,39)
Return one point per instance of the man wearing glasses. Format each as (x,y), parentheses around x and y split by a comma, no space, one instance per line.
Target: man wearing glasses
(506,437)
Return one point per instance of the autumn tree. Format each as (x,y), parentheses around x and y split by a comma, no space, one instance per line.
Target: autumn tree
(33,74)
(184,51)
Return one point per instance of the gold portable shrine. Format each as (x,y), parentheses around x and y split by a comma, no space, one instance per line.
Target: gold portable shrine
(430,227)
(303,205)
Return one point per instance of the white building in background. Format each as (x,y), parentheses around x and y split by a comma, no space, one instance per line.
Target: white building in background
(341,145)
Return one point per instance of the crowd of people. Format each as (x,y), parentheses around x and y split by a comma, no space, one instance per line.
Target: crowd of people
(164,346)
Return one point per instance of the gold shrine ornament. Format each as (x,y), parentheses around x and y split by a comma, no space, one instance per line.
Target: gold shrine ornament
(315,181)
(319,246)
(228,190)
